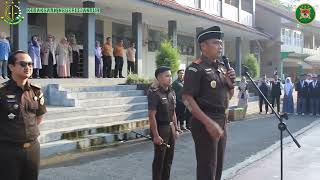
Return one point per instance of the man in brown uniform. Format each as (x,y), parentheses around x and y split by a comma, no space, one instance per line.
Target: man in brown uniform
(118,54)
(163,123)
(206,93)
(107,58)
(21,110)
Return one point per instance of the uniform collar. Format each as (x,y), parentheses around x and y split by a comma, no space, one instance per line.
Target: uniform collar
(210,62)
(13,85)
(165,91)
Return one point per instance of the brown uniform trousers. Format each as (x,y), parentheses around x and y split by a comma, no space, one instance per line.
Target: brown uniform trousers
(209,153)
(163,156)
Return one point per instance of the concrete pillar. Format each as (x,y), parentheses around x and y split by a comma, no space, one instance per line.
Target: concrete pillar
(19,32)
(172,33)
(238,56)
(137,31)
(239,10)
(221,8)
(198,52)
(89,41)
(253,13)
(313,42)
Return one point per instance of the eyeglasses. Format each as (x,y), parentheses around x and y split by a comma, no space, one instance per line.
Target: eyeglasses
(25,63)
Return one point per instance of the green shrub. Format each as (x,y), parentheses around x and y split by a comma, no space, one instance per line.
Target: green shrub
(135,79)
(168,56)
(252,63)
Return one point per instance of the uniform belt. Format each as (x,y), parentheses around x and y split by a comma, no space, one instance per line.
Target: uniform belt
(164,123)
(25,145)
(218,110)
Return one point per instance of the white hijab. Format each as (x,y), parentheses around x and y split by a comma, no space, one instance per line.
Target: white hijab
(288,86)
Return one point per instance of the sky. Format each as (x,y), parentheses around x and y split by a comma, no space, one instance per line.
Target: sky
(314,3)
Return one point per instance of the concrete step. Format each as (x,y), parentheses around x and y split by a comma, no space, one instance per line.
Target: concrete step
(65,146)
(79,131)
(97,119)
(105,94)
(110,101)
(97,88)
(63,112)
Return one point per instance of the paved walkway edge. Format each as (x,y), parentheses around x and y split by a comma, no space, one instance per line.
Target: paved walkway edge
(232,172)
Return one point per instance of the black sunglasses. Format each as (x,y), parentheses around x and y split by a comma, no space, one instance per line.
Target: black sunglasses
(25,64)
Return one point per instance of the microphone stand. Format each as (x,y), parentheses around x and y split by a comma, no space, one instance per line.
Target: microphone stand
(281,126)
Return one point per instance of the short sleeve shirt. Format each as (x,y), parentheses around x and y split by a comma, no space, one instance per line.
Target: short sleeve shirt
(164,102)
(205,81)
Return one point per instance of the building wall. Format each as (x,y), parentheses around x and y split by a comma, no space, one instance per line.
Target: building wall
(56,26)
(270,55)
(5,28)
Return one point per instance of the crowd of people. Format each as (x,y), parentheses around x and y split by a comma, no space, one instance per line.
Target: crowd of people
(62,60)
(307,88)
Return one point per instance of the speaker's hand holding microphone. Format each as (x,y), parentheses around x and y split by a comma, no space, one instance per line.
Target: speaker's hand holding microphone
(231,74)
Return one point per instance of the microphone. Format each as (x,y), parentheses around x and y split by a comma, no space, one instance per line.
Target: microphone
(226,62)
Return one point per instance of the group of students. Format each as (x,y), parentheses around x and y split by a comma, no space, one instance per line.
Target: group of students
(308,94)
(103,58)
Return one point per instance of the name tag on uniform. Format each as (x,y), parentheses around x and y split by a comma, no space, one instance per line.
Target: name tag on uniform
(163,100)
(11,96)
(208,70)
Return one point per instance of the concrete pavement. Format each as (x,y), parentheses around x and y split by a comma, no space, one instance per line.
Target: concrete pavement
(303,163)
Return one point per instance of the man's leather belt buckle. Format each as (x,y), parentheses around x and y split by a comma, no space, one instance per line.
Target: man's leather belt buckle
(26,145)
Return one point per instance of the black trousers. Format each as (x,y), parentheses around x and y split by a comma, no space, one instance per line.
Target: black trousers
(209,153)
(74,64)
(18,163)
(277,100)
(130,67)
(36,73)
(107,64)
(49,70)
(118,67)
(182,115)
(163,157)
(261,101)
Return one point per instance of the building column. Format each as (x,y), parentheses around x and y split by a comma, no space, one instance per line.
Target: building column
(19,34)
(253,13)
(137,31)
(172,33)
(198,51)
(239,10)
(238,57)
(89,41)
(221,7)
(313,41)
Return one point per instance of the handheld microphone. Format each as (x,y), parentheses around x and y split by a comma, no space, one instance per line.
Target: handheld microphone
(226,62)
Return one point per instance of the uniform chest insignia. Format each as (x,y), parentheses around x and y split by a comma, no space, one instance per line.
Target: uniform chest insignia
(16,106)
(208,70)
(11,96)
(41,101)
(193,69)
(164,98)
(213,84)
(35,98)
(11,116)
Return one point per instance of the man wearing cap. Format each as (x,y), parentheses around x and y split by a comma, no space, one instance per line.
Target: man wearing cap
(163,122)
(206,93)
(21,111)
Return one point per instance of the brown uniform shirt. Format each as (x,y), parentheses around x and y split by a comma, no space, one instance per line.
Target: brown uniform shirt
(18,111)
(118,51)
(107,50)
(164,102)
(205,81)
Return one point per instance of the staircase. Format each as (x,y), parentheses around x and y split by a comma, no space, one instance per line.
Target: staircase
(80,116)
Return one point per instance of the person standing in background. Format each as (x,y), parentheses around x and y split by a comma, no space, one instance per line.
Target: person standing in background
(314,95)
(63,59)
(75,57)
(98,60)
(34,52)
(49,57)
(288,106)
(131,57)
(107,58)
(264,86)
(302,90)
(4,54)
(243,94)
(276,87)
(118,53)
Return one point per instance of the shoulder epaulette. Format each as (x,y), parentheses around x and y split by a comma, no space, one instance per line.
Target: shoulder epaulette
(35,85)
